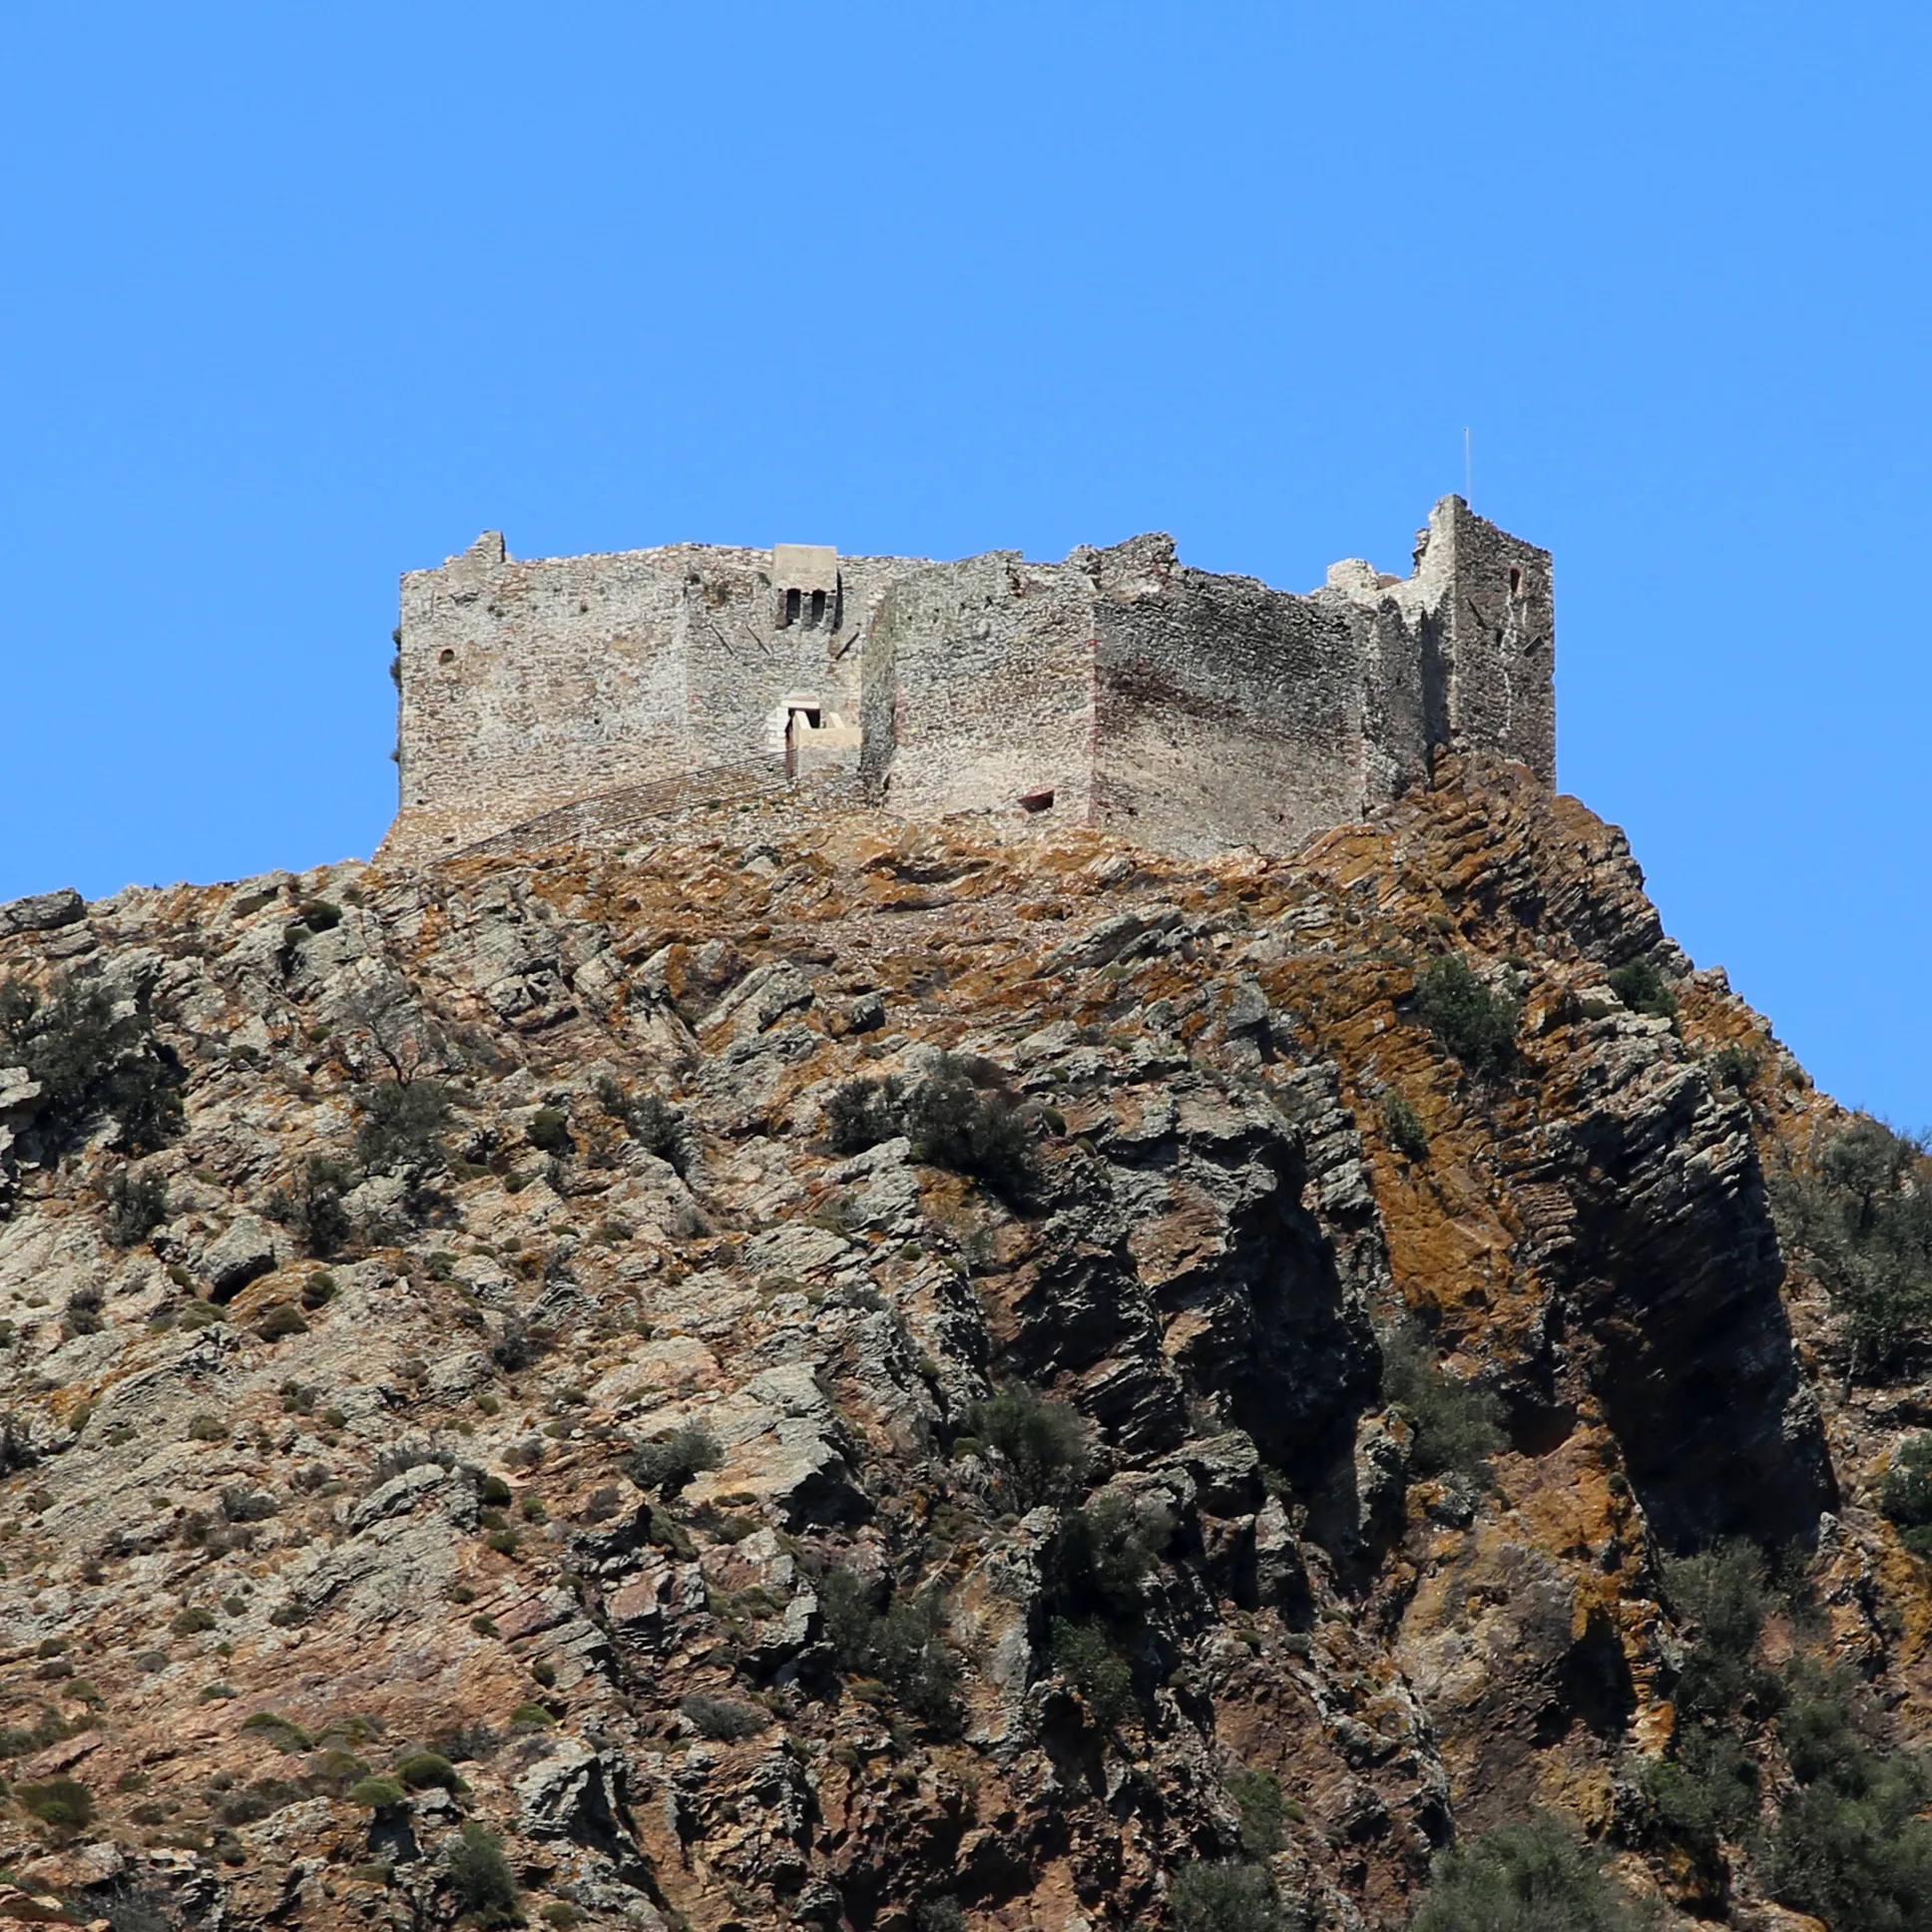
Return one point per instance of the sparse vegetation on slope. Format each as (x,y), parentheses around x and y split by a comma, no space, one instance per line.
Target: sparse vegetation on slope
(1475,1020)
(92,1057)
(1860,1218)
(502,1454)
(1535,1876)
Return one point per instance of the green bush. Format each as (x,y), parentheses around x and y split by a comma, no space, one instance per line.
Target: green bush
(189,1622)
(1098,1559)
(89,1063)
(655,1125)
(549,1130)
(723,1719)
(1861,1221)
(1706,1786)
(282,1732)
(1476,1024)
(1848,1845)
(377,1793)
(1907,1495)
(64,1802)
(336,1771)
(1530,1877)
(1723,1594)
(1858,1860)
(670,1462)
(1640,984)
(1224,1898)
(1085,1655)
(1403,1127)
(137,1206)
(280,1321)
(862,1113)
(1826,1724)
(402,1126)
(1263,1806)
(310,1205)
(424,1768)
(50,1729)
(1457,1424)
(901,1646)
(1706,1789)
(1041,1443)
(1735,1067)
(480,1876)
(953,1125)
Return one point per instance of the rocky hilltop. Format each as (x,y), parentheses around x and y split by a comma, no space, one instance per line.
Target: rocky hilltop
(809,1371)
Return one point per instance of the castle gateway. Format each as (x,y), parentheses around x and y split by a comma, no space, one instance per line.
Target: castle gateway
(1186,711)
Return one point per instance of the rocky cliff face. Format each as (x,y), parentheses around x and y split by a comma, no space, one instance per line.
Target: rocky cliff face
(806,1372)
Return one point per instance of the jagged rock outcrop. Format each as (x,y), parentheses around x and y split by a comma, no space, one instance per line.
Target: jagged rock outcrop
(348,1448)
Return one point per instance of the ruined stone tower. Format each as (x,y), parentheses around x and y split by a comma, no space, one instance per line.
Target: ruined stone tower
(1190,710)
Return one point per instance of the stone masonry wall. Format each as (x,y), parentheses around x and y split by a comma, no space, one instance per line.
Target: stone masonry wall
(1502,644)
(979,690)
(527,685)
(1460,653)
(1196,711)
(1228,712)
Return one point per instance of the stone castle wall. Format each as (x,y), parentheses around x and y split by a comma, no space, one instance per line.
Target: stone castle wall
(979,690)
(1252,740)
(1193,710)
(526,686)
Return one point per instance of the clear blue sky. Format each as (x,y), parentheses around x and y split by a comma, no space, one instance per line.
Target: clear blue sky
(294,297)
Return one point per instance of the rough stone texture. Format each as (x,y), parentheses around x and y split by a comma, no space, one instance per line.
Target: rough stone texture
(1212,1245)
(42,913)
(241,1253)
(526,686)
(1193,712)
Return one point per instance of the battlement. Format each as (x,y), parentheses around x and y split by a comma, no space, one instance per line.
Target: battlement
(1191,710)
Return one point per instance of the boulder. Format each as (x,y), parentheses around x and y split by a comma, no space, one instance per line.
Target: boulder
(42,913)
(568,1794)
(243,1253)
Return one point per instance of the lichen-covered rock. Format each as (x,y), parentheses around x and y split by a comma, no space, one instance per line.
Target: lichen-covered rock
(42,913)
(243,1251)
(632,1449)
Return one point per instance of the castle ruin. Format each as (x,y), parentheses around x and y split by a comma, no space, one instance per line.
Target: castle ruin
(1188,710)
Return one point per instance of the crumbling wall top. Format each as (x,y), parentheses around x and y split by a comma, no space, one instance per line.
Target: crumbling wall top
(1119,683)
